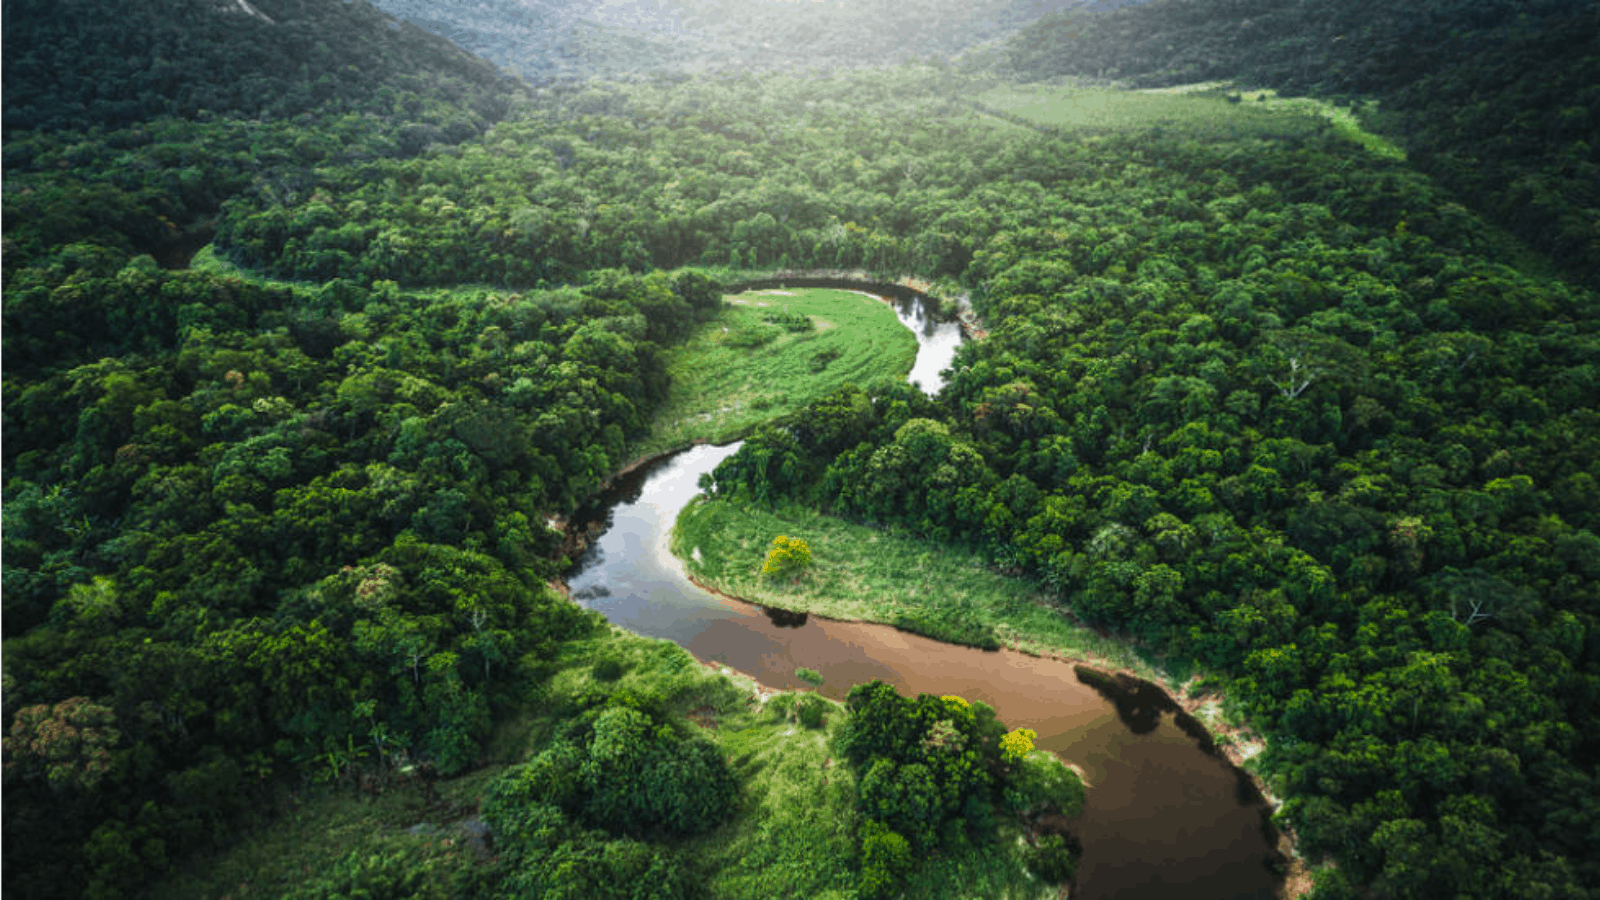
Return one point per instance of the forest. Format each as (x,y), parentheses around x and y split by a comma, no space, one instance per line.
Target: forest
(317,328)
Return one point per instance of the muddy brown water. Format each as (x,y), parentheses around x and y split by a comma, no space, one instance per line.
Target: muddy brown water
(1165,816)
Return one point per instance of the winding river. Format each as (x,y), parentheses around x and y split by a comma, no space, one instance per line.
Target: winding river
(1164,817)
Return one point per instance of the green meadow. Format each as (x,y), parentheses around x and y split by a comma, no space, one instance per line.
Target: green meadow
(1201,107)
(864,574)
(770,352)
(1076,108)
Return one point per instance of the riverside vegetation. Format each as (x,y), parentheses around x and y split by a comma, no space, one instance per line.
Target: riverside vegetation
(1320,421)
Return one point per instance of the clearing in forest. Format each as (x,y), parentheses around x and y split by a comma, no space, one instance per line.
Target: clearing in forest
(1074,107)
(769,353)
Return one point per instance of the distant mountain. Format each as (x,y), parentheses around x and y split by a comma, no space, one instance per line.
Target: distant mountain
(545,38)
(67,63)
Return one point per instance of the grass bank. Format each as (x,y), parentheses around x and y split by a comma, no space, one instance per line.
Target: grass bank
(863,574)
(770,352)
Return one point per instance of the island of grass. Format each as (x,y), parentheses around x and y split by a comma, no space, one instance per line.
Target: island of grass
(770,352)
(859,573)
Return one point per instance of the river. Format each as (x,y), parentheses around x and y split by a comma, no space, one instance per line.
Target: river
(1163,817)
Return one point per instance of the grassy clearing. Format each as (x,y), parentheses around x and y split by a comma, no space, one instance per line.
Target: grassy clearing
(739,369)
(1073,107)
(1343,119)
(794,837)
(860,573)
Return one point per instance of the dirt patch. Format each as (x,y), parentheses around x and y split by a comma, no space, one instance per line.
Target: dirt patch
(780,293)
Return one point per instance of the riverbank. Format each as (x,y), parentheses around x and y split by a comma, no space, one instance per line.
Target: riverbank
(635,582)
(864,575)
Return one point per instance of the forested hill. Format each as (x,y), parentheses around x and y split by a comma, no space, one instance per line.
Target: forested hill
(150,116)
(70,64)
(1499,100)
(584,38)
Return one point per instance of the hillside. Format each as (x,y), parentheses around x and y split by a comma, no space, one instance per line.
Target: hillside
(585,39)
(1499,101)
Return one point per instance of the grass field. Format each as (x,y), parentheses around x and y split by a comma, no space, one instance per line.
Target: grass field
(1343,119)
(739,369)
(1072,107)
(1205,106)
(861,573)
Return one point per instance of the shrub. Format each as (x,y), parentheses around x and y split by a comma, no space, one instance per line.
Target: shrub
(387,874)
(798,323)
(782,706)
(906,798)
(1052,859)
(809,676)
(1016,745)
(606,670)
(787,558)
(821,359)
(1045,780)
(811,709)
(641,776)
(885,859)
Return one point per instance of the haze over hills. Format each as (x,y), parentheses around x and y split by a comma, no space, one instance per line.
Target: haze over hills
(592,37)
(317,325)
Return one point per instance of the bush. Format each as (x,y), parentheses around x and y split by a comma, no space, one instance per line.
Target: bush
(752,336)
(641,776)
(906,798)
(811,709)
(606,670)
(1044,780)
(387,874)
(782,706)
(1016,745)
(821,359)
(885,859)
(1052,859)
(796,323)
(787,558)
(809,676)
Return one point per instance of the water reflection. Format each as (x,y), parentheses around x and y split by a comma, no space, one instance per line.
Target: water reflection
(783,618)
(936,343)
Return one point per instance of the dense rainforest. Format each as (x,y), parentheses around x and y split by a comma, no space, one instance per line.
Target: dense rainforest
(316,328)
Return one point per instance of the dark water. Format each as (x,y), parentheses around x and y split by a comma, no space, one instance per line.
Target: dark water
(1163,819)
